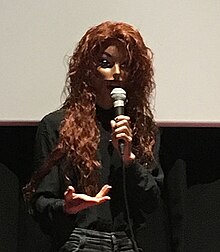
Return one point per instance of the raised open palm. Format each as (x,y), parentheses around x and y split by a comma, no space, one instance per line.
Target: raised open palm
(75,202)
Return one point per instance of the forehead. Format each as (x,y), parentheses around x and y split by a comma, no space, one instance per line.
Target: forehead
(114,47)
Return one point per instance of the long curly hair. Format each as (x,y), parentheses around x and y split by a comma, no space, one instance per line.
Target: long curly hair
(79,134)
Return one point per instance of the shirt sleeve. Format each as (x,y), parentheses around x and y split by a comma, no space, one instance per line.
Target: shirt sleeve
(47,202)
(144,182)
(48,205)
(46,139)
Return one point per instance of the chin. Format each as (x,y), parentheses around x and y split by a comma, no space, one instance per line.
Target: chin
(104,102)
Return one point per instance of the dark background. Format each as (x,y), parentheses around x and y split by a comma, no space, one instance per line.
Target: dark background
(191,189)
(199,147)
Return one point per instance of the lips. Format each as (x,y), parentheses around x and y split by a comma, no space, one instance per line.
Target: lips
(113,84)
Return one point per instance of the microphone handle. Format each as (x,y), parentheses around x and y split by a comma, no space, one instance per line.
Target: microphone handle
(119,110)
(121,146)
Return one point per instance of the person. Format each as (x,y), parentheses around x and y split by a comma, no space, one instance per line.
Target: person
(84,193)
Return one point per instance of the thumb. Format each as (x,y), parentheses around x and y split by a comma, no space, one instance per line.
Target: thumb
(113,123)
(69,191)
(71,188)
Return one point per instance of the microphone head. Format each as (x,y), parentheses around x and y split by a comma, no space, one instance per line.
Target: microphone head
(118,96)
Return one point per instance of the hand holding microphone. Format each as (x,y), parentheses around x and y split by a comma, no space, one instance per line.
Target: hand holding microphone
(121,131)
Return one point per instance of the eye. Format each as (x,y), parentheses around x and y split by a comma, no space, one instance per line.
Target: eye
(124,64)
(104,63)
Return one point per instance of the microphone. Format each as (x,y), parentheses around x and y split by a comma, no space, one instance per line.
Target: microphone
(118,97)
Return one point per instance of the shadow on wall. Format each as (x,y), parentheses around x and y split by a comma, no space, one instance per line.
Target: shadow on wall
(192,187)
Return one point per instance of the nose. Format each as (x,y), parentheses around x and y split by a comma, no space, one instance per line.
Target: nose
(117,73)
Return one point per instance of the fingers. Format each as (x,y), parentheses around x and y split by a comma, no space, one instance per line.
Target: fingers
(102,199)
(75,202)
(121,120)
(121,128)
(113,124)
(81,202)
(71,189)
(68,195)
(122,117)
(89,202)
(104,191)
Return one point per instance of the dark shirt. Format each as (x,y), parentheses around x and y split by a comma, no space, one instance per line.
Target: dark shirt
(142,188)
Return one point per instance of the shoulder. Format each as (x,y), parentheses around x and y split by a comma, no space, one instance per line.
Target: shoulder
(53,119)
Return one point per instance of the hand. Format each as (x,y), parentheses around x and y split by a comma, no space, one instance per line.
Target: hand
(121,130)
(75,202)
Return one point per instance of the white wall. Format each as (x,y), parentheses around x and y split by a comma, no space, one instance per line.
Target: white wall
(36,35)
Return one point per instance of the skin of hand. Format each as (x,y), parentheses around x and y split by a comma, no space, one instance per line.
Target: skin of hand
(121,130)
(75,202)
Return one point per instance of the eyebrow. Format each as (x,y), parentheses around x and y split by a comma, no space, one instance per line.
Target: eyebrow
(107,54)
